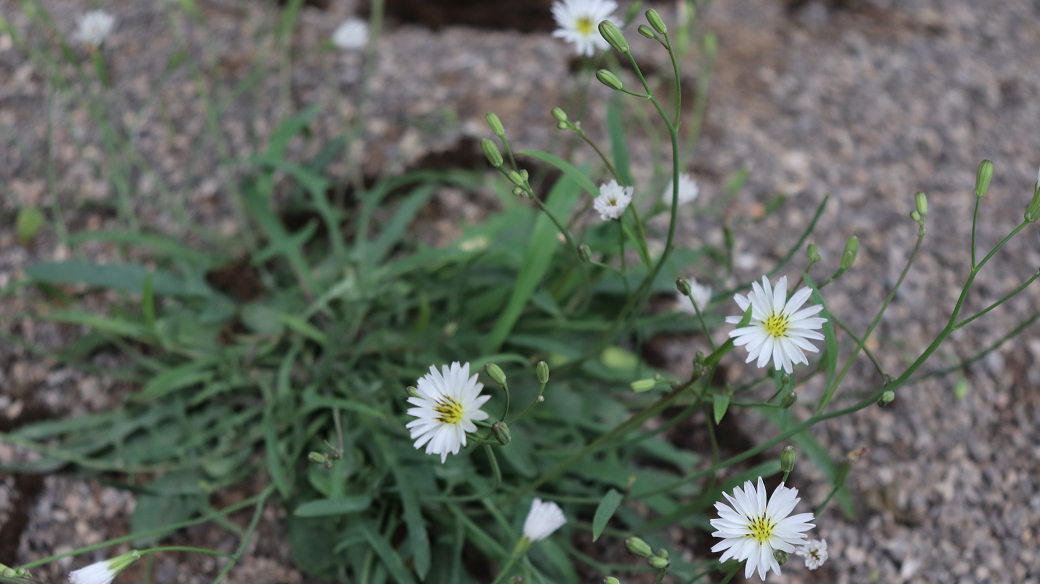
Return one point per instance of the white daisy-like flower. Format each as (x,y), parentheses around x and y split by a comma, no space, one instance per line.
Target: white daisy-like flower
(777,330)
(612,201)
(94,27)
(105,571)
(688,191)
(579,23)
(449,401)
(701,294)
(351,35)
(752,529)
(543,519)
(814,552)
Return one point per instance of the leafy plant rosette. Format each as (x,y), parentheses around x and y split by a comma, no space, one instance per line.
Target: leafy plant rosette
(308,382)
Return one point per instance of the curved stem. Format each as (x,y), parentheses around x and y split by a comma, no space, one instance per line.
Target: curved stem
(536,401)
(610,167)
(999,302)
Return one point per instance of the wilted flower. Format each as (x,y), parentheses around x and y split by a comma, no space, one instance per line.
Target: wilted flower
(94,27)
(814,552)
(688,191)
(105,571)
(578,21)
(612,201)
(448,402)
(543,519)
(776,329)
(351,35)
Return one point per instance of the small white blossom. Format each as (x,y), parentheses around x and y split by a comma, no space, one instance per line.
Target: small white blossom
(351,35)
(448,402)
(579,23)
(612,201)
(752,528)
(814,552)
(777,330)
(701,294)
(105,571)
(543,519)
(688,191)
(94,27)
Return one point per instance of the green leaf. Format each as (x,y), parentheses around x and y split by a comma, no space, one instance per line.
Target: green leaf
(720,403)
(148,303)
(394,229)
(568,169)
(327,507)
(176,378)
(30,219)
(275,468)
(129,278)
(605,511)
(172,498)
(386,553)
(101,323)
(417,536)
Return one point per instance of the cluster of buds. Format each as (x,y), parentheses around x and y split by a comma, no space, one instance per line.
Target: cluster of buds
(658,561)
(918,214)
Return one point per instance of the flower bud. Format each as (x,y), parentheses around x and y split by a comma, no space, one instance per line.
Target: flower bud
(524,175)
(611,580)
(658,563)
(492,153)
(780,556)
(542,370)
(787,458)
(559,114)
(849,255)
(412,391)
(655,21)
(584,253)
(639,547)
(662,553)
(609,79)
(788,401)
(1033,210)
(515,178)
(785,378)
(318,457)
(643,385)
(495,372)
(683,286)
(915,215)
(921,200)
(501,433)
(886,398)
(520,192)
(612,34)
(982,178)
(495,124)
(563,126)
(813,251)
(843,473)
(646,31)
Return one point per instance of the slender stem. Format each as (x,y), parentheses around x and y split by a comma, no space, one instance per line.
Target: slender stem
(505,411)
(245,538)
(707,333)
(610,167)
(974,221)
(678,85)
(660,576)
(823,505)
(536,401)
(729,576)
(999,302)
(787,473)
(496,472)
(178,548)
(861,343)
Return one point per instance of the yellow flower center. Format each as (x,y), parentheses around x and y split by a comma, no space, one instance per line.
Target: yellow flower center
(613,202)
(450,411)
(776,324)
(761,528)
(584,25)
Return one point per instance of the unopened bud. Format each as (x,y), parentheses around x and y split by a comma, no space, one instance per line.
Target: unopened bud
(495,124)
(612,34)
(491,152)
(318,457)
(609,79)
(886,398)
(813,251)
(495,372)
(524,175)
(643,385)
(639,547)
(921,200)
(520,192)
(412,391)
(788,401)
(785,379)
(501,433)
(611,580)
(515,178)
(982,178)
(662,553)
(542,370)
(559,114)
(646,31)
(787,458)
(655,21)
(843,473)
(563,126)
(584,253)
(683,286)
(1033,210)
(780,556)
(915,215)
(658,563)
(849,255)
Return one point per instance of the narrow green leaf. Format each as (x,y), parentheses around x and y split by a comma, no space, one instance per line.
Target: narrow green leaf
(721,404)
(101,323)
(176,378)
(303,327)
(386,553)
(417,535)
(605,511)
(129,278)
(394,229)
(274,460)
(568,169)
(327,507)
(148,303)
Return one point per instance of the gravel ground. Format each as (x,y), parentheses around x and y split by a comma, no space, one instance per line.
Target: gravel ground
(869,100)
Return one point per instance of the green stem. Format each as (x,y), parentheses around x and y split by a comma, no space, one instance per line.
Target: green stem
(245,538)
(184,549)
(707,333)
(678,85)
(660,576)
(729,576)
(823,505)
(536,401)
(496,472)
(974,221)
(861,343)
(610,167)
(999,302)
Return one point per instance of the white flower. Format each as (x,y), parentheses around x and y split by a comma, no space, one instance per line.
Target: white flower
(94,27)
(814,552)
(579,23)
(701,294)
(105,571)
(777,330)
(351,35)
(543,519)
(612,201)
(688,191)
(448,402)
(752,529)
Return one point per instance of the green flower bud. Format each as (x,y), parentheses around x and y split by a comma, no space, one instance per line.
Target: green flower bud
(495,124)
(921,200)
(491,152)
(611,580)
(524,175)
(639,547)
(612,34)
(643,385)
(785,378)
(789,400)
(584,253)
(780,556)
(646,31)
(982,178)
(563,126)
(843,473)
(609,79)
(813,251)
(542,370)
(495,372)
(683,286)
(412,391)
(655,21)
(787,458)
(318,457)
(658,563)
(559,114)
(519,191)
(515,178)
(849,255)
(501,433)
(1033,210)
(915,215)
(886,398)
(662,553)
